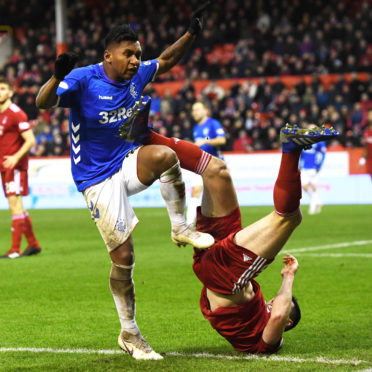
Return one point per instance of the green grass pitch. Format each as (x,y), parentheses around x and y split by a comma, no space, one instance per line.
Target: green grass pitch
(60,299)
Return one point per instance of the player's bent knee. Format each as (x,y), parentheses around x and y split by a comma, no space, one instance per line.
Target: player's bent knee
(216,168)
(163,158)
(123,254)
(292,219)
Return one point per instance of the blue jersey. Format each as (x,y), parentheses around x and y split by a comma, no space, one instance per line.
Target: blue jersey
(98,108)
(210,129)
(314,157)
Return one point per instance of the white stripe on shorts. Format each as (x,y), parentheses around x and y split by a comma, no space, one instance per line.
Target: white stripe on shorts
(248,274)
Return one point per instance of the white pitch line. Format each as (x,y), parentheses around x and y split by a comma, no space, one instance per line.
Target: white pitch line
(271,358)
(335,255)
(329,246)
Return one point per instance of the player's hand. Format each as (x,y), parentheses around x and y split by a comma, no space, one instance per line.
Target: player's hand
(197,22)
(10,161)
(64,64)
(291,265)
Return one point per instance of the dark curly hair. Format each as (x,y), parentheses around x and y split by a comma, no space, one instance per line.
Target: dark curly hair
(294,315)
(120,33)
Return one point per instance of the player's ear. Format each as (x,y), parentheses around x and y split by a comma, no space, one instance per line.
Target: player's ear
(107,55)
(11,93)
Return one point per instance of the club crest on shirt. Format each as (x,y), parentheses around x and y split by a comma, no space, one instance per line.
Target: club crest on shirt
(132,90)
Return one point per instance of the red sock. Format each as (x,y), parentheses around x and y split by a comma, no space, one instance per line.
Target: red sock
(191,157)
(29,232)
(287,189)
(17,228)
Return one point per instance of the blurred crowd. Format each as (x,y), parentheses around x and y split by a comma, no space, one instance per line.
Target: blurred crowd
(241,39)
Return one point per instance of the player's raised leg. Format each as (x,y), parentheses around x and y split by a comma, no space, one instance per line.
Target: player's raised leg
(160,162)
(267,236)
(216,178)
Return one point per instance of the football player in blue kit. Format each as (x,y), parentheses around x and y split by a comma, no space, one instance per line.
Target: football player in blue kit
(311,162)
(108,160)
(209,136)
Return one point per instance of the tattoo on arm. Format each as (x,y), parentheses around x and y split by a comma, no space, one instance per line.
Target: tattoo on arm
(172,55)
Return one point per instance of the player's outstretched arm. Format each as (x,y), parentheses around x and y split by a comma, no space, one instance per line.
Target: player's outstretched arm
(47,96)
(281,306)
(172,55)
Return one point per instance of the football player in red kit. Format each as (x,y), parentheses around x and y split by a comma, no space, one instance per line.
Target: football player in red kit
(16,139)
(231,299)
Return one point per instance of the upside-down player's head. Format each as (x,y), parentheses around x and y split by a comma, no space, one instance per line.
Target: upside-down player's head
(122,53)
(294,315)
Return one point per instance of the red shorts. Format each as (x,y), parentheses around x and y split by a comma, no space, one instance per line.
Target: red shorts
(15,182)
(225,267)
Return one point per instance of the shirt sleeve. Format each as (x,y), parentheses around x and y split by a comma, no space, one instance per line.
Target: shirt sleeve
(263,347)
(69,90)
(23,123)
(147,72)
(219,132)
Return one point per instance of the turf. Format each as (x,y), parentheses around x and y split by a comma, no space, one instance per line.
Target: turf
(60,299)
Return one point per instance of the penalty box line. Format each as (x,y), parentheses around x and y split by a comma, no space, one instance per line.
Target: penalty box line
(271,358)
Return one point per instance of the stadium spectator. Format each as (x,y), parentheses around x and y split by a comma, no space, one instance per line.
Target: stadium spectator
(16,140)
(231,299)
(340,35)
(367,144)
(107,168)
(243,143)
(209,135)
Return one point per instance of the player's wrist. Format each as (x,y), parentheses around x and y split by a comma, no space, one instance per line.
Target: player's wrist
(58,79)
(288,274)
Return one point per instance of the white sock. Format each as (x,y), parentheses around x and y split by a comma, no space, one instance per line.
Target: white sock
(314,202)
(122,289)
(191,210)
(172,189)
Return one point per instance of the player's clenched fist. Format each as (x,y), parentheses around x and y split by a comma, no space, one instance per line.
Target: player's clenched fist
(64,64)
(196,24)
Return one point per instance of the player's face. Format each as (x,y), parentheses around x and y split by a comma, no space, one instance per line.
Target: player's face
(124,58)
(5,93)
(198,112)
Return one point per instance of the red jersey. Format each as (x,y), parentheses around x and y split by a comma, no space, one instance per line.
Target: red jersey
(226,268)
(13,121)
(241,325)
